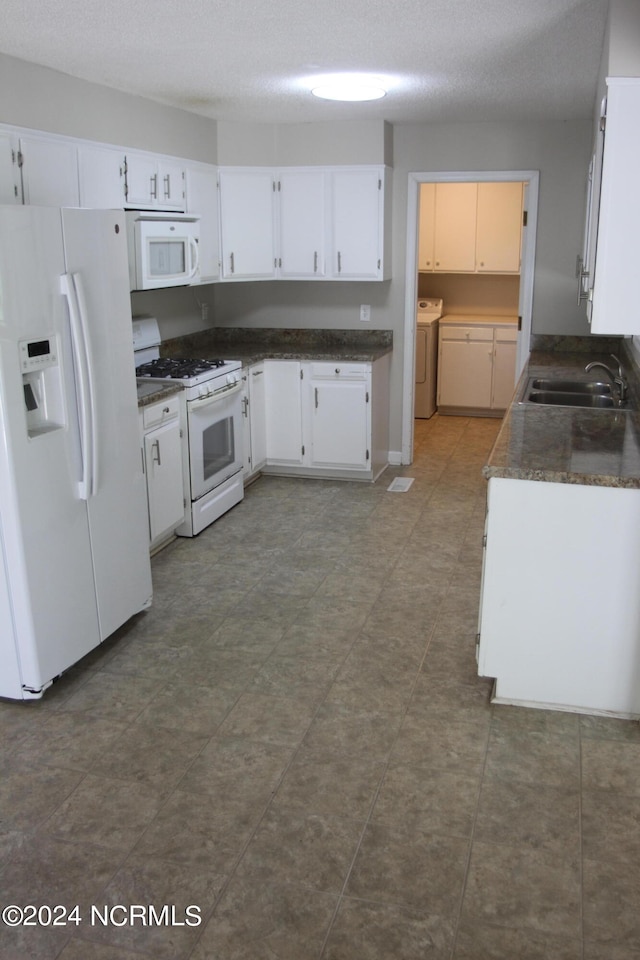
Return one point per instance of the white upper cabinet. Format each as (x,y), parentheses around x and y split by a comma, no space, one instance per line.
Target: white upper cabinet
(49,172)
(302,224)
(612,266)
(101,175)
(357,223)
(499,227)
(202,199)
(247,223)
(153,182)
(10,185)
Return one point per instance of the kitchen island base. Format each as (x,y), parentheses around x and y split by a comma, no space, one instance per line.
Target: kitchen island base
(560,607)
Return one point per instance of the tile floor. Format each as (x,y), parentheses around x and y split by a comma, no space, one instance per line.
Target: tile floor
(294,741)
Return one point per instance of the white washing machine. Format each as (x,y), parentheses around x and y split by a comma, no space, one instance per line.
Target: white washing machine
(428,314)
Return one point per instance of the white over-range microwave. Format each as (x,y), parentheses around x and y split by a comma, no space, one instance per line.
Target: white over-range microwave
(163,249)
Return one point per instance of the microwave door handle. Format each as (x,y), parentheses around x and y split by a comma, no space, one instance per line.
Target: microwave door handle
(68,291)
(93,406)
(194,257)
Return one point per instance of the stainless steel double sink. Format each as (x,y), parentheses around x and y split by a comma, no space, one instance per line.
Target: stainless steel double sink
(562,392)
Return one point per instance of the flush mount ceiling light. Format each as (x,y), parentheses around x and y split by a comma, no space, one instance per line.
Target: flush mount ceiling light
(349,88)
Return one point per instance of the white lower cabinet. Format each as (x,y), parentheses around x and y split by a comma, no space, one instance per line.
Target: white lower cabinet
(161,427)
(327,419)
(253,411)
(283,413)
(558,630)
(338,415)
(476,365)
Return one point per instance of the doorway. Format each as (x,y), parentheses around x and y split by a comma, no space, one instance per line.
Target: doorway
(529,179)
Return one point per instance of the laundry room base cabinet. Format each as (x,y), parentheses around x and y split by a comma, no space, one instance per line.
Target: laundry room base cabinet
(327,419)
(476,364)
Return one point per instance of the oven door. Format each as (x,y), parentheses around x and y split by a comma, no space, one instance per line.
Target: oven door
(215,439)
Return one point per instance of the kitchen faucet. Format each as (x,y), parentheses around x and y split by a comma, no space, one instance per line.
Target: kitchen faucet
(618,378)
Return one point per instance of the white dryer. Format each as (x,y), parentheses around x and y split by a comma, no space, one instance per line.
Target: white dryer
(428,315)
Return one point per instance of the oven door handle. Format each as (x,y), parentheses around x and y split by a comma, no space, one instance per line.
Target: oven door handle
(221,394)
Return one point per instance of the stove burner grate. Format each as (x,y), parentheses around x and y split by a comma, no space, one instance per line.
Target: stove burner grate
(176,368)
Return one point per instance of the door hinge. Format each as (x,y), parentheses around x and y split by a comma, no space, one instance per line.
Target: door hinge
(519,324)
(366,397)
(301,374)
(525,217)
(303,449)
(367,455)
(19,159)
(379,184)
(484,540)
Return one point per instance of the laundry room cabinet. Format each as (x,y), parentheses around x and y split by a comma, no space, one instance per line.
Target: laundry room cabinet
(476,364)
(470,227)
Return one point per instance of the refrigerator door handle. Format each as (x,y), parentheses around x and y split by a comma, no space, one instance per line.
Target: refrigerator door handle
(68,291)
(93,406)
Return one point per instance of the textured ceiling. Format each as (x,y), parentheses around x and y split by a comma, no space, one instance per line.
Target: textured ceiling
(444,60)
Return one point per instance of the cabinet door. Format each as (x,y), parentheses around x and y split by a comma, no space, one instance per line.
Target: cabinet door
(101,176)
(499,227)
(504,369)
(49,172)
(339,423)
(141,181)
(426,235)
(171,185)
(614,250)
(202,198)
(357,224)
(163,461)
(455,227)
(10,186)
(465,372)
(283,412)
(257,409)
(247,224)
(302,224)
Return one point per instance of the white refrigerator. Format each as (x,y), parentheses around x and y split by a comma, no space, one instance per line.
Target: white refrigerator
(74,554)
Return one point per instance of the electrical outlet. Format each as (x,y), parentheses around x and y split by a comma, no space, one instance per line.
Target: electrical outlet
(204,311)
(365,312)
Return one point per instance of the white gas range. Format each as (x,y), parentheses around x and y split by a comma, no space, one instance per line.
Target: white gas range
(214,424)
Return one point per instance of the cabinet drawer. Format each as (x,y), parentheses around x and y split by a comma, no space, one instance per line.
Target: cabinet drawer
(339,371)
(157,413)
(507,334)
(466,333)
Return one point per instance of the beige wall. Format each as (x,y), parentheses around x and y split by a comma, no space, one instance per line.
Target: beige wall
(43,99)
(39,98)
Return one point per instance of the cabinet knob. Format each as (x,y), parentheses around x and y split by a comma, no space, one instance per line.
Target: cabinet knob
(338,371)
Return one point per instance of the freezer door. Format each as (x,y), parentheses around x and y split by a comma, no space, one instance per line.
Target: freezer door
(96,260)
(44,531)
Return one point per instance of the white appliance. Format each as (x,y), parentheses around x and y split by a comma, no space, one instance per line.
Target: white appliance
(74,553)
(427,317)
(214,424)
(163,249)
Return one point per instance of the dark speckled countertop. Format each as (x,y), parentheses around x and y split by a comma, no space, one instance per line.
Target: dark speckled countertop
(593,447)
(250,345)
